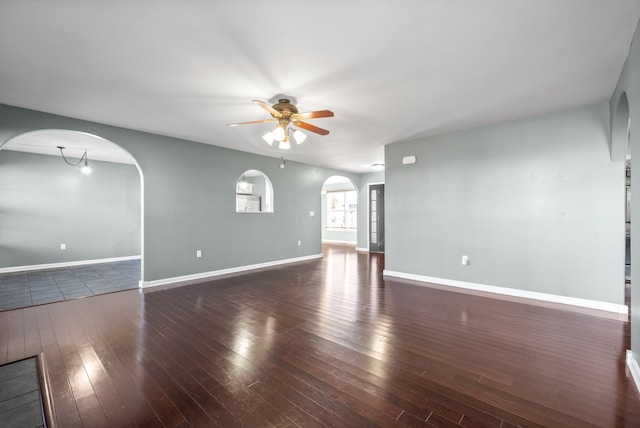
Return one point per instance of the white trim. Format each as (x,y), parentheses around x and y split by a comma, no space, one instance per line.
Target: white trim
(196,277)
(67,264)
(337,241)
(592,304)
(634,369)
(362,250)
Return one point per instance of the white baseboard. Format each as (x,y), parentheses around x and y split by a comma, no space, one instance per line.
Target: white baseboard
(337,241)
(197,277)
(634,369)
(66,264)
(574,301)
(362,250)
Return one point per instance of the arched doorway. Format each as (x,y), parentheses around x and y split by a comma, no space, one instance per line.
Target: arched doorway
(58,224)
(620,145)
(339,211)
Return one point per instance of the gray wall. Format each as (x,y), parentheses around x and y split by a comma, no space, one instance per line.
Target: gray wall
(628,90)
(536,204)
(44,203)
(189,199)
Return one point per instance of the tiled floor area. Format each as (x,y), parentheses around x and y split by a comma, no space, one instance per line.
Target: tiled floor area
(20,405)
(36,287)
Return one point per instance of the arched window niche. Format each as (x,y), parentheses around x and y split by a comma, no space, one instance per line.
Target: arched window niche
(254,192)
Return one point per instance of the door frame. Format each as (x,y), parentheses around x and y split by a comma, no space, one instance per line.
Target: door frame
(369,211)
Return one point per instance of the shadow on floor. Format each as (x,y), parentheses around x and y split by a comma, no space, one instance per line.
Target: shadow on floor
(37,287)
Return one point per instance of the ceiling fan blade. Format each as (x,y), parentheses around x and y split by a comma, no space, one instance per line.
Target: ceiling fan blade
(273,112)
(313,114)
(251,122)
(310,127)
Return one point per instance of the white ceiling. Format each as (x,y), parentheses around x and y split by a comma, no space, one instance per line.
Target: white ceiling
(46,142)
(390,70)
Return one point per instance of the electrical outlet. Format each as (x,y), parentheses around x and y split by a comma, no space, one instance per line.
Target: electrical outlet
(465,260)
(312,213)
(299,243)
(63,246)
(198,253)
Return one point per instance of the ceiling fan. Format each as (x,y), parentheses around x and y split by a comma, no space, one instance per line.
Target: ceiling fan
(286,114)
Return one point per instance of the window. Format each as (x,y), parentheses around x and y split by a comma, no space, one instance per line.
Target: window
(342,209)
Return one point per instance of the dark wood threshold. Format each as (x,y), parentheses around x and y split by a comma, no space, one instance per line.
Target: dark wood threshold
(46,395)
(47,412)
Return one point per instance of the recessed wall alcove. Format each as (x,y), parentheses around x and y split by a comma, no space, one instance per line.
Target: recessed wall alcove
(254,192)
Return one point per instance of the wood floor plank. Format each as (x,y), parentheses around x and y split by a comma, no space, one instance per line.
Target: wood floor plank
(63,397)
(16,339)
(109,366)
(328,342)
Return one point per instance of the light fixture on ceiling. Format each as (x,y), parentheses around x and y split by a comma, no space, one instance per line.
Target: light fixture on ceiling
(268,138)
(289,120)
(377,166)
(85,169)
(284,145)
(281,134)
(299,136)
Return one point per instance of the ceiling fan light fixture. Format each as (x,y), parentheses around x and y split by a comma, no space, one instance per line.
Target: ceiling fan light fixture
(278,133)
(268,138)
(284,145)
(299,136)
(287,117)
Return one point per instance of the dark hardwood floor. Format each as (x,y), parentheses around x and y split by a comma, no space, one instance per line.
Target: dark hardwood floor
(324,343)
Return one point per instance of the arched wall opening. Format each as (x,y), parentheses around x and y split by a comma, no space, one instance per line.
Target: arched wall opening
(620,128)
(339,211)
(53,215)
(621,150)
(254,192)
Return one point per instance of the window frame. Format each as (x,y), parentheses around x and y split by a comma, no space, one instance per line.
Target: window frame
(353,225)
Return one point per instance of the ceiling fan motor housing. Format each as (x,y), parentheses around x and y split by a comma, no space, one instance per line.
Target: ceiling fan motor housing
(285,107)
(286,113)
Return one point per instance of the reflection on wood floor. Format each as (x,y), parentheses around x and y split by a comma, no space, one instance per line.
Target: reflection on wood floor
(327,342)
